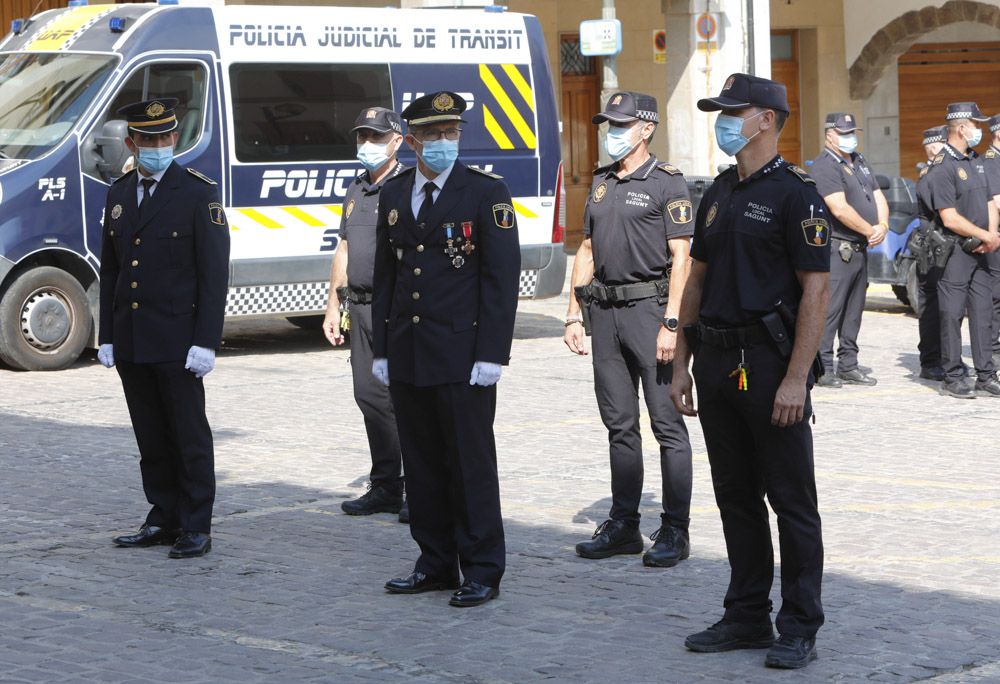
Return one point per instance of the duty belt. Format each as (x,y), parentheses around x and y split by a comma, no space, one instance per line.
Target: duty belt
(856,246)
(355,296)
(612,294)
(729,338)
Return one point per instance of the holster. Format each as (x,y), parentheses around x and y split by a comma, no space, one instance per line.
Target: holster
(970,244)
(585,297)
(919,247)
(846,251)
(941,247)
(788,319)
(344,297)
(779,334)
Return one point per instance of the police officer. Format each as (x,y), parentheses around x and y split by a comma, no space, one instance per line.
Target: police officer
(164,279)
(968,217)
(929,345)
(447,265)
(756,299)
(378,132)
(991,162)
(860,218)
(632,266)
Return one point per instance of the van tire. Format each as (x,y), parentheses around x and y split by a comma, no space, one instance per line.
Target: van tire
(45,320)
(914,297)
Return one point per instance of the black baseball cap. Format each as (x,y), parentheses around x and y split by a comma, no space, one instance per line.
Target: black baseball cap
(965,110)
(627,106)
(443,105)
(842,122)
(936,135)
(378,119)
(151,116)
(994,123)
(744,90)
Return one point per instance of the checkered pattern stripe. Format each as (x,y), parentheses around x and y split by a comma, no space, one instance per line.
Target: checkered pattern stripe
(527,284)
(294,298)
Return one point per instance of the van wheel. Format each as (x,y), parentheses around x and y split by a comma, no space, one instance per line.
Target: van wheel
(914,297)
(901,295)
(307,322)
(45,320)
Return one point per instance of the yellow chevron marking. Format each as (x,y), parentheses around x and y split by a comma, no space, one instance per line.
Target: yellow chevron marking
(523,210)
(522,86)
(337,209)
(304,217)
(55,35)
(520,125)
(258,217)
(494,129)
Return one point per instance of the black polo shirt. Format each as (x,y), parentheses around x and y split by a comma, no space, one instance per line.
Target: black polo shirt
(357,226)
(959,181)
(991,162)
(754,235)
(924,203)
(630,219)
(833,173)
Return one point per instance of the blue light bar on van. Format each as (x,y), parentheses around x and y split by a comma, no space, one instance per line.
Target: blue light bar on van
(17,25)
(76,3)
(116,24)
(168,2)
(495,8)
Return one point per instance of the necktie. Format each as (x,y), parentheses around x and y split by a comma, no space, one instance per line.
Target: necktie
(147,184)
(425,208)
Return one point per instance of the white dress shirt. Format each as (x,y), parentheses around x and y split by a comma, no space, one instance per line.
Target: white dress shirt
(138,184)
(417,199)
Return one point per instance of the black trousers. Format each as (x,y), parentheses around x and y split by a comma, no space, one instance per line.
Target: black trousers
(848,282)
(966,284)
(750,458)
(446,432)
(372,397)
(624,350)
(167,405)
(929,345)
(994,263)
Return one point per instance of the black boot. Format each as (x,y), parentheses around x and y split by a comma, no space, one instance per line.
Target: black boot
(378,499)
(612,538)
(404,512)
(671,546)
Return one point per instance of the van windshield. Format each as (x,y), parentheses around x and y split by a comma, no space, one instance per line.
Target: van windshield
(42,95)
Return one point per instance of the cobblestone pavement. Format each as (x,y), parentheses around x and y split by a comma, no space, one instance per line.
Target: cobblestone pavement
(292,590)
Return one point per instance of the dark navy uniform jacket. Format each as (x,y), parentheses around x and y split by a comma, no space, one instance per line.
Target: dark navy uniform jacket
(433,321)
(164,278)
(959,181)
(754,235)
(358,227)
(855,179)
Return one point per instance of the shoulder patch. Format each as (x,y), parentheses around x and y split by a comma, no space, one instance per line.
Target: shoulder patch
(938,159)
(503,215)
(816,232)
(201,176)
(923,171)
(800,173)
(124,176)
(669,168)
(991,154)
(483,172)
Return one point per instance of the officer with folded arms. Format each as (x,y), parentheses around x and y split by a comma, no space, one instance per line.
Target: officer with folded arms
(631,270)
(860,220)
(968,217)
(928,274)
(991,162)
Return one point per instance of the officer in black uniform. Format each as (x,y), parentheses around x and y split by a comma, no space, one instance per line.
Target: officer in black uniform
(379,134)
(968,218)
(929,345)
(164,280)
(447,265)
(632,266)
(860,218)
(991,162)
(755,304)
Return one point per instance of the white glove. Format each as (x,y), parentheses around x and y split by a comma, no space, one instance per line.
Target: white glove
(200,361)
(106,355)
(380,369)
(485,373)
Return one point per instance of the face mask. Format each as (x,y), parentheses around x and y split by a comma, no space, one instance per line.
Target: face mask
(729,133)
(438,155)
(373,156)
(848,143)
(618,142)
(155,159)
(977,136)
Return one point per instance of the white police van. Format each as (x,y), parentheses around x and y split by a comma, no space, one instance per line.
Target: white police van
(268,97)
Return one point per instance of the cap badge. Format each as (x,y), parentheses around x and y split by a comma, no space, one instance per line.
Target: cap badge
(729,83)
(155,109)
(393,217)
(600,191)
(616,99)
(370,114)
(443,102)
(847,118)
(116,211)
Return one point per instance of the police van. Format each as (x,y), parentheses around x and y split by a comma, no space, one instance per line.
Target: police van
(268,96)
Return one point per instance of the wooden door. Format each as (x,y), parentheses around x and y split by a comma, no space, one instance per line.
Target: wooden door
(932,75)
(785,69)
(581,95)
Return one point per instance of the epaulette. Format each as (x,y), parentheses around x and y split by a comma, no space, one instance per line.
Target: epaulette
(602,170)
(124,175)
(669,168)
(800,173)
(938,159)
(991,154)
(484,172)
(199,175)
(923,171)
(408,171)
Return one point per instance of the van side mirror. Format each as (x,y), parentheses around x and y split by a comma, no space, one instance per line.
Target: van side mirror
(112,152)
(884,182)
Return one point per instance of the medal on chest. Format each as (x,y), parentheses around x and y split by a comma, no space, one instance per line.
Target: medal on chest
(450,250)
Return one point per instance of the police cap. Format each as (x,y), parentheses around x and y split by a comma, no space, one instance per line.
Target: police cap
(151,116)
(994,123)
(378,119)
(627,106)
(744,90)
(936,135)
(842,122)
(443,105)
(965,110)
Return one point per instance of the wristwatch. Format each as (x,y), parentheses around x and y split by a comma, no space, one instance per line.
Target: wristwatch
(670,324)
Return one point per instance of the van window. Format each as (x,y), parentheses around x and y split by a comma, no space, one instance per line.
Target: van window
(185,81)
(303,112)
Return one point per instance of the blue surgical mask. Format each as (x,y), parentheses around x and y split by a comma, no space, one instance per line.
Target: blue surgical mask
(977,136)
(155,159)
(729,133)
(438,155)
(848,143)
(618,142)
(373,156)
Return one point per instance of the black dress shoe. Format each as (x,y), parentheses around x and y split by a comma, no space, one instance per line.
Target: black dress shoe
(473,593)
(148,535)
(612,538)
(856,377)
(191,545)
(404,512)
(418,583)
(988,387)
(959,389)
(726,635)
(935,373)
(828,379)
(671,546)
(378,499)
(791,652)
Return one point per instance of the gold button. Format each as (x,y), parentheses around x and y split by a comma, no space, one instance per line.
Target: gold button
(134,284)
(137,241)
(420,248)
(111,233)
(135,305)
(415,295)
(417,271)
(416,319)
(174,234)
(135,262)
